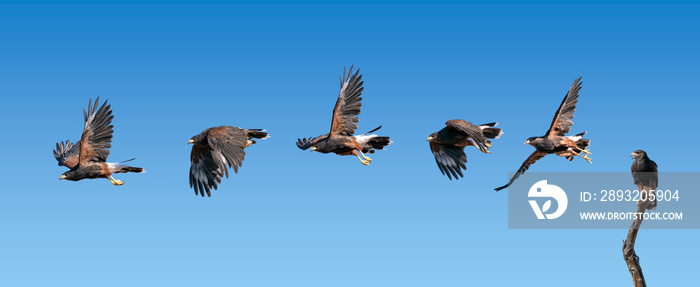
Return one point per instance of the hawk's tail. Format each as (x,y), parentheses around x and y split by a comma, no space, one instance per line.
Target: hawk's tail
(257,133)
(652,205)
(580,141)
(378,142)
(132,169)
(122,168)
(583,143)
(490,132)
(650,190)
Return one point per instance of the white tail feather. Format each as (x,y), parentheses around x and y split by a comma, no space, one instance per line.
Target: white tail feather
(115,167)
(363,139)
(487,126)
(575,138)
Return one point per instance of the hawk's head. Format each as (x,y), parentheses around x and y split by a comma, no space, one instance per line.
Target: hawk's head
(638,154)
(432,136)
(531,141)
(70,175)
(198,139)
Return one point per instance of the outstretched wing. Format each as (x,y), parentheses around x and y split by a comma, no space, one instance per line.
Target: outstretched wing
(450,159)
(205,172)
(471,130)
(561,124)
(305,144)
(347,107)
(535,156)
(67,153)
(228,143)
(225,149)
(97,133)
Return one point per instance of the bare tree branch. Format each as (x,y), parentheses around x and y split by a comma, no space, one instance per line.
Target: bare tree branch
(628,252)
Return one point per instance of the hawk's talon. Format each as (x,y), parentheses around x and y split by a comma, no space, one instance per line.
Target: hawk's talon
(365,162)
(586,151)
(248,143)
(115,181)
(364,156)
(588,159)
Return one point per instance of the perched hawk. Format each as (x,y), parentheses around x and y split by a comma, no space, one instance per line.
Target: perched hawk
(87,158)
(555,140)
(645,174)
(341,139)
(215,150)
(448,144)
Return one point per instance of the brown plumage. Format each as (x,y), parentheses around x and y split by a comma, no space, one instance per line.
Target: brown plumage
(341,139)
(555,140)
(645,174)
(216,149)
(87,158)
(448,144)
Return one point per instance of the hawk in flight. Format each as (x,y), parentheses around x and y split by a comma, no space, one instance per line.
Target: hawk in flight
(448,144)
(87,158)
(555,140)
(216,149)
(341,139)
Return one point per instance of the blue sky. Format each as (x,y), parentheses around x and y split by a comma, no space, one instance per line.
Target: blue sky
(295,218)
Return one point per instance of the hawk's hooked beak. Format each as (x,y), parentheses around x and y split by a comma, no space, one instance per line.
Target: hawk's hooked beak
(633,155)
(314,148)
(62,177)
(190,141)
(527,142)
(430,138)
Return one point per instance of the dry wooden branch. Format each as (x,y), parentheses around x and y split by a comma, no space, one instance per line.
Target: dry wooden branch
(628,253)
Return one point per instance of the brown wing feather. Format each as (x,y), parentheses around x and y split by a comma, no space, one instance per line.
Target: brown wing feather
(205,173)
(67,154)
(347,107)
(305,144)
(535,156)
(450,159)
(646,174)
(471,130)
(210,162)
(561,124)
(97,133)
(228,143)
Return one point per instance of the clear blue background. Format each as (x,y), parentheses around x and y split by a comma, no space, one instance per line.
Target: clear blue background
(295,218)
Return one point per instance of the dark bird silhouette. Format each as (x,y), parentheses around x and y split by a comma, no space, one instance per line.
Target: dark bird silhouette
(645,174)
(87,158)
(215,149)
(448,144)
(341,139)
(555,140)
